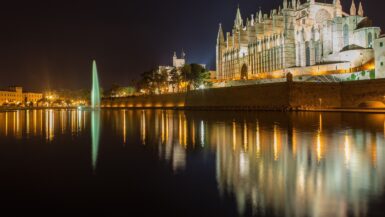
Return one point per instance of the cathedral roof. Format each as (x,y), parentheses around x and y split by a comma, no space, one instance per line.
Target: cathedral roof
(366,22)
(352,47)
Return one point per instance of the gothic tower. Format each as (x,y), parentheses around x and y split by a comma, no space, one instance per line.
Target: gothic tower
(221,46)
(289,58)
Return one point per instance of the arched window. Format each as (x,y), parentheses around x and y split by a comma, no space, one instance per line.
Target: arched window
(370,39)
(307,51)
(346,35)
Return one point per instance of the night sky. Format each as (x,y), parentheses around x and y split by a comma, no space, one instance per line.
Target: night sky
(50,44)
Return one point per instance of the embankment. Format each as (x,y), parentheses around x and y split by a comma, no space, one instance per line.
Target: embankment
(275,96)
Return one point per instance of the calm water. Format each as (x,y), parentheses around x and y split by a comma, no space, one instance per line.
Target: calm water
(121,162)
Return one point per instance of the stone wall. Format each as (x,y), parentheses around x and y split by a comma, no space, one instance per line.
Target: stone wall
(263,96)
(274,96)
(357,92)
(308,95)
(155,101)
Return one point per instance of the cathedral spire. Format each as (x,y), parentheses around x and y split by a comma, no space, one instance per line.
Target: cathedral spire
(294,3)
(252,20)
(221,37)
(353,9)
(360,10)
(260,16)
(238,23)
(338,6)
(284,4)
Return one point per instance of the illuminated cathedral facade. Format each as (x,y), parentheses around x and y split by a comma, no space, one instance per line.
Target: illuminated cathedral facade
(299,37)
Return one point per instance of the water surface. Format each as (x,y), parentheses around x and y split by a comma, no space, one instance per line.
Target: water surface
(184,163)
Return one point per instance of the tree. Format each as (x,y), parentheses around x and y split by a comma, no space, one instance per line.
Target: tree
(175,79)
(195,75)
(154,81)
(119,91)
(146,82)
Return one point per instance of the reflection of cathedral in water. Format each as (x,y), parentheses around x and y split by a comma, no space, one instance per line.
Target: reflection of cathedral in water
(300,173)
(281,166)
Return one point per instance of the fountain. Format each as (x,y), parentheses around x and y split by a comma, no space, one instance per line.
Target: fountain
(95,115)
(95,93)
(95,136)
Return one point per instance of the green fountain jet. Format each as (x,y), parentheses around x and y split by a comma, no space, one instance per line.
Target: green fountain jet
(95,115)
(95,93)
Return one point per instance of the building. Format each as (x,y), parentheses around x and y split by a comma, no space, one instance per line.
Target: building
(16,96)
(178,63)
(303,38)
(379,47)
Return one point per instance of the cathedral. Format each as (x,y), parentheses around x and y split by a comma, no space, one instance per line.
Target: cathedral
(299,37)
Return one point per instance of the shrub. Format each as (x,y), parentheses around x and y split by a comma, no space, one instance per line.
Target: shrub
(372,74)
(353,77)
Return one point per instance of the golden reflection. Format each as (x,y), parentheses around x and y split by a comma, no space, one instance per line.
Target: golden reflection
(41,121)
(193,133)
(14,123)
(234,136)
(18,123)
(347,149)
(294,134)
(79,120)
(162,128)
(184,132)
(276,143)
(27,122)
(6,123)
(319,147)
(73,121)
(173,138)
(63,123)
(51,129)
(258,140)
(124,127)
(245,137)
(143,127)
(34,122)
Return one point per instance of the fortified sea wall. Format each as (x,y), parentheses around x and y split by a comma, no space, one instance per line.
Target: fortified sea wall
(275,96)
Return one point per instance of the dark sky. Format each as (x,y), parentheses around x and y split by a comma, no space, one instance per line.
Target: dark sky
(50,44)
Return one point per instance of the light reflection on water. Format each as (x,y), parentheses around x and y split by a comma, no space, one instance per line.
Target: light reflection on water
(300,164)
